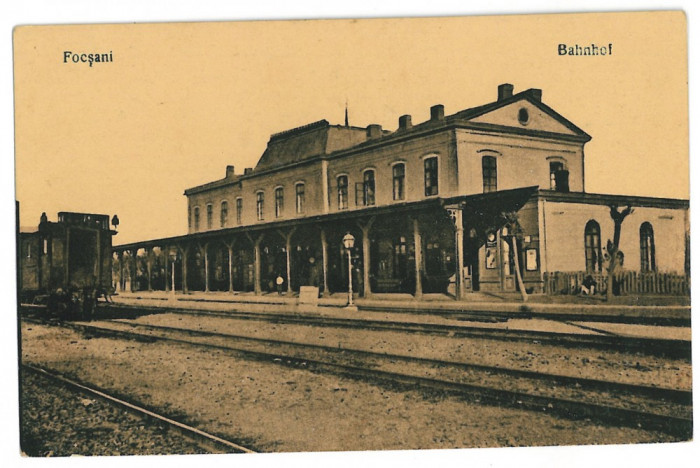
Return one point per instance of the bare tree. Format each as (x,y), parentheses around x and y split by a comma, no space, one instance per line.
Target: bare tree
(512,221)
(614,255)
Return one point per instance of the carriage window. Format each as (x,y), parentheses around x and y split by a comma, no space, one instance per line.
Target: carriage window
(399,172)
(300,198)
(343,192)
(430,166)
(224,213)
(490,173)
(594,255)
(646,247)
(279,202)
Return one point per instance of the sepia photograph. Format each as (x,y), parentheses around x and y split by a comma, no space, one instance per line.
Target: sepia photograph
(352,234)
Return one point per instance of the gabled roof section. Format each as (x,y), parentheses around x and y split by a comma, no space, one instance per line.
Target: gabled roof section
(307,142)
(505,113)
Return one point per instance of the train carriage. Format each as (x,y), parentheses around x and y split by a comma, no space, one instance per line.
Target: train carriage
(67,264)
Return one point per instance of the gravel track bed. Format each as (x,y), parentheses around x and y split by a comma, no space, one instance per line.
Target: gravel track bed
(274,408)
(444,372)
(609,365)
(58,421)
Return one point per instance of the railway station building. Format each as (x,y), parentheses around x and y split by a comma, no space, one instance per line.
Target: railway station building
(450,205)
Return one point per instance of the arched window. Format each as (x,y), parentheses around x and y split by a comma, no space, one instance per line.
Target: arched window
(343,192)
(558,176)
(224,213)
(368,187)
(646,247)
(399,180)
(210,215)
(300,197)
(279,202)
(260,205)
(430,168)
(196,218)
(490,173)
(239,210)
(594,254)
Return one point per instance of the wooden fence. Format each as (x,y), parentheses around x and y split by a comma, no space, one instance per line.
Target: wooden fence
(630,282)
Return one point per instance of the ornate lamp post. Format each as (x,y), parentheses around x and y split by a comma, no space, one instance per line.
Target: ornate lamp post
(173,259)
(349,243)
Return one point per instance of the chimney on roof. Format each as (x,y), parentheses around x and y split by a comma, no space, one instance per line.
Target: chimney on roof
(505,91)
(437,112)
(405,122)
(248,170)
(374,131)
(535,94)
(230,171)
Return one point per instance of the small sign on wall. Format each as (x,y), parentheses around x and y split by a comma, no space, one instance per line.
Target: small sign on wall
(531,259)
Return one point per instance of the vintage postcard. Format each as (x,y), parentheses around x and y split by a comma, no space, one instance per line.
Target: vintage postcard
(353,235)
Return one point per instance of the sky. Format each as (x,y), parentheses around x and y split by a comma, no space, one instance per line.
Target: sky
(179,102)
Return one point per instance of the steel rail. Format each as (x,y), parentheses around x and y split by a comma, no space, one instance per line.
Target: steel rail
(653,346)
(205,439)
(663,393)
(572,409)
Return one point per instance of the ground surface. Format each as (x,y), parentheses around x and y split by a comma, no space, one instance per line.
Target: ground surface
(57,421)
(275,408)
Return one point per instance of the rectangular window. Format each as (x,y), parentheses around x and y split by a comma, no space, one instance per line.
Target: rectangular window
(224,213)
(279,202)
(210,216)
(300,198)
(554,167)
(489,172)
(431,176)
(196,218)
(399,172)
(343,192)
(260,205)
(368,188)
(239,210)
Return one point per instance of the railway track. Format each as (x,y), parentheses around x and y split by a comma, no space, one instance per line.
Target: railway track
(652,408)
(651,346)
(209,442)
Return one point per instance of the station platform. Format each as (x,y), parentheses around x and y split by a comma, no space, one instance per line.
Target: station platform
(643,321)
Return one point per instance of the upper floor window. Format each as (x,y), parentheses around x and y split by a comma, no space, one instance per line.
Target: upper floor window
(189,217)
(210,216)
(430,166)
(399,179)
(490,174)
(558,176)
(224,213)
(279,202)
(342,192)
(196,218)
(260,205)
(239,210)
(368,187)
(300,197)
(646,247)
(594,254)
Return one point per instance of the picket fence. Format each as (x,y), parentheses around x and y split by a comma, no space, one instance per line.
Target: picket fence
(630,282)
